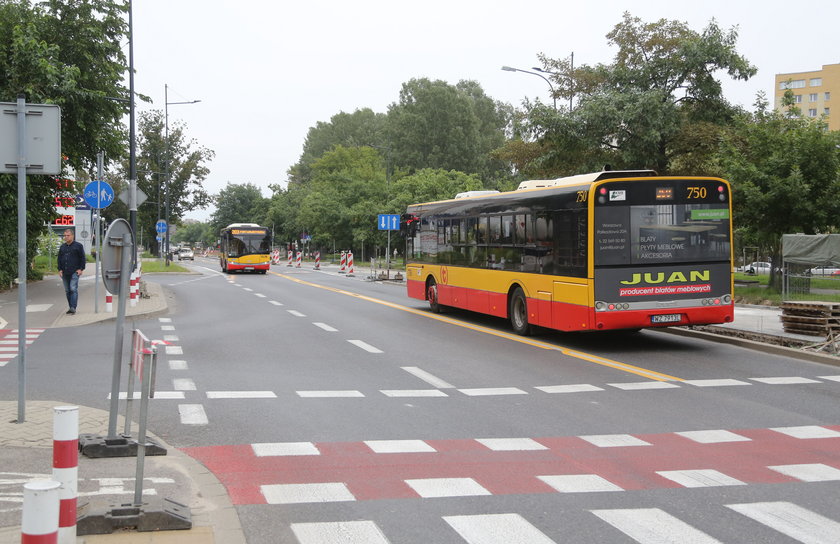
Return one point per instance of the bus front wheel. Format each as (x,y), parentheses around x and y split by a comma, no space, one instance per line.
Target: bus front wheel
(518,312)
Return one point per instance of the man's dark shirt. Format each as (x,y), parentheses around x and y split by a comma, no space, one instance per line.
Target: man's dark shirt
(71,257)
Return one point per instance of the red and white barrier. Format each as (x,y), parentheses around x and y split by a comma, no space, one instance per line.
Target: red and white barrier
(298,259)
(109,302)
(275,256)
(350,264)
(289,254)
(343,263)
(132,290)
(39,524)
(66,469)
(317,260)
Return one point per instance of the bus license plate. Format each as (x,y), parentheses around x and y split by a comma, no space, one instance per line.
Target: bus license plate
(666,318)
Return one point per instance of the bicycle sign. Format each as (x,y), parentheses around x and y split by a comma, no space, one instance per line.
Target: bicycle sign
(98,194)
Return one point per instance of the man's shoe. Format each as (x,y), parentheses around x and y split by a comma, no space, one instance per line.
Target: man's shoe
(69,311)
(72,311)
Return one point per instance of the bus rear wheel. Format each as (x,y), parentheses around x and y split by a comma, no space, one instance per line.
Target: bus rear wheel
(432,296)
(518,312)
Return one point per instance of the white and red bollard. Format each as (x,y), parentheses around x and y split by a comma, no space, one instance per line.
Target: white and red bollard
(298,259)
(132,290)
(350,264)
(289,255)
(317,260)
(66,469)
(343,263)
(39,523)
(109,302)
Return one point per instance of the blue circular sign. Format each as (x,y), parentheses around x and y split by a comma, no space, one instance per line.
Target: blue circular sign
(98,194)
(160,226)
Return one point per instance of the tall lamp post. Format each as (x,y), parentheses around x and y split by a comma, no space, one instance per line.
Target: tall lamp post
(571,71)
(550,86)
(167,103)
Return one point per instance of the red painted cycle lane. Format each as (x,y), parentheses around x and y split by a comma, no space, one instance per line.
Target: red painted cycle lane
(369,475)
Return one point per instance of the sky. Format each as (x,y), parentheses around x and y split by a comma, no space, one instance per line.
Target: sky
(266,71)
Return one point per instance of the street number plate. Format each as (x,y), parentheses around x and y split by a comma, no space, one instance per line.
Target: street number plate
(666,318)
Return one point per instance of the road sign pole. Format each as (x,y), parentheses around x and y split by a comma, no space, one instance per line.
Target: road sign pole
(125,272)
(21,173)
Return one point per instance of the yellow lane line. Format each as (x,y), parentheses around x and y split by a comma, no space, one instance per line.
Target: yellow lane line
(650,374)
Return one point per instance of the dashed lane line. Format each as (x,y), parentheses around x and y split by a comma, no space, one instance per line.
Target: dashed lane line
(651,374)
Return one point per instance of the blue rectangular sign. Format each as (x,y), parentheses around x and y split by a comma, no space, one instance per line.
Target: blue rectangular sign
(388,221)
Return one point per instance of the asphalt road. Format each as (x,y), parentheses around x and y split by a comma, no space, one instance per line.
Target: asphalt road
(339,410)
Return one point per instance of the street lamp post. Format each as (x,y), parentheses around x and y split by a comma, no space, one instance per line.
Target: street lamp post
(571,71)
(550,86)
(167,103)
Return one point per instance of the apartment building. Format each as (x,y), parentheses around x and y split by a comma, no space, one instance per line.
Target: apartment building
(813,92)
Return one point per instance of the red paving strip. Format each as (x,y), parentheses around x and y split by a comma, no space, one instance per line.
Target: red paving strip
(371,476)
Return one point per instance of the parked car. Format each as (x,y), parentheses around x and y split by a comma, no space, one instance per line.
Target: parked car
(756,268)
(186,253)
(823,271)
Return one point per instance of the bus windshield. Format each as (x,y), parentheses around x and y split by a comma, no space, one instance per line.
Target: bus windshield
(248,244)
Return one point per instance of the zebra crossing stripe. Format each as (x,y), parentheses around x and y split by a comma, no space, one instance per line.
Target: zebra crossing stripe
(497,529)
(699,478)
(306,493)
(653,526)
(794,521)
(339,532)
(814,472)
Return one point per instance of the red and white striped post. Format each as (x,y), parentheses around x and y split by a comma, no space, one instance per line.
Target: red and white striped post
(39,523)
(109,302)
(66,468)
(350,264)
(343,262)
(289,254)
(298,259)
(317,260)
(132,290)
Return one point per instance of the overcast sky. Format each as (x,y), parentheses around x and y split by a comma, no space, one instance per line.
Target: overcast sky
(267,70)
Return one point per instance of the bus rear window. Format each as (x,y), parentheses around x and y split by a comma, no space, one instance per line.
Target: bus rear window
(661,233)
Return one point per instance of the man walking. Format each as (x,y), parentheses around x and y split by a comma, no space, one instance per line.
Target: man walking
(71,264)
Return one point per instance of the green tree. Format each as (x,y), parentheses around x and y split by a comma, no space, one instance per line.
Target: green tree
(360,128)
(65,53)
(238,203)
(438,125)
(630,112)
(785,173)
(430,184)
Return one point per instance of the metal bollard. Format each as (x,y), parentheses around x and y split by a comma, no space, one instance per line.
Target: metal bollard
(66,469)
(39,524)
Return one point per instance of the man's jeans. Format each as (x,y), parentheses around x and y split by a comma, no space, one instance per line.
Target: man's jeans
(71,288)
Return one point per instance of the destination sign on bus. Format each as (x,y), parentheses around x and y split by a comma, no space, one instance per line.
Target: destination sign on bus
(247,231)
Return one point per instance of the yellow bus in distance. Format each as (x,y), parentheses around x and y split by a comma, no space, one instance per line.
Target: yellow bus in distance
(245,247)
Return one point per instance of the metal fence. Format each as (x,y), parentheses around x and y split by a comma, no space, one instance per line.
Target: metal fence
(804,282)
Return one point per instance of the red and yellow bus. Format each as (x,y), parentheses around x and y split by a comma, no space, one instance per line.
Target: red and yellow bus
(602,251)
(245,247)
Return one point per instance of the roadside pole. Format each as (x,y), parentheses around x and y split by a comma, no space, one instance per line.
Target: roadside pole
(21,174)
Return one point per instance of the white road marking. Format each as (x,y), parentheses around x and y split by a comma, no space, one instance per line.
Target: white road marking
(713,436)
(241,395)
(407,393)
(614,440)
(183,384)
(171,337)
(572,388)
(159,395)
(306,493)
(174,350)
(192,414)
(177,364)
(699,478)
(339,532)
(248,289)
(497,529)
(511,444)
(365,346)
(643,385)
(807,432)
(428,378)
(785,380)
(579,483)
(260,295)
(31,308)
(296,313)
(489,391)
(792,520)
(284,449)
(329,394)
(653,526)
(399,446)
(832,378)
(275,302)
(814,472)
(165,319)
(167,328)
(325,327)
(14,342)
(429,488)
(716,383)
